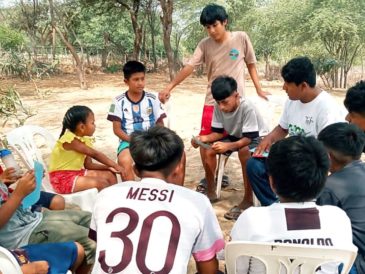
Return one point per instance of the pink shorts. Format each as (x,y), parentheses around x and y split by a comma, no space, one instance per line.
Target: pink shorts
(206,125)
(63,181)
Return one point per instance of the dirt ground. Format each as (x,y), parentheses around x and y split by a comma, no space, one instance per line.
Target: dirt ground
(185,111)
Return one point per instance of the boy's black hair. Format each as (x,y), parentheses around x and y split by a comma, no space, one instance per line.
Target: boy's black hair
(223,87)
(355,98)
(298,166)
(299,70)
(343,138)
(157,149)
(212,13)
(132,67)
(74,115)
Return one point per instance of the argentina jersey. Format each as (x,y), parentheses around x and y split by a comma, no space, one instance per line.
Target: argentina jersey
(136,116)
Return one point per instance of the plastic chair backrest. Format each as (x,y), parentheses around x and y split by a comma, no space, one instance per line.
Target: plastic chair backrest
(278,256)
(22,140)
(8,264)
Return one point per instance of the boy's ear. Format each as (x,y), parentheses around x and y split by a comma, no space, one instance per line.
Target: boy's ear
(272,184)
(126,81)
(177,176)
(136,171)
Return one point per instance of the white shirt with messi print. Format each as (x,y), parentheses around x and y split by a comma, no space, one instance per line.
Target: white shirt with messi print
(152,227)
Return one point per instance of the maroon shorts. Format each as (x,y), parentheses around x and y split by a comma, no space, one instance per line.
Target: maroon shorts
(63,181)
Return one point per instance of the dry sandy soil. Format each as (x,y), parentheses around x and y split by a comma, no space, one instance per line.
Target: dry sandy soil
(186,106)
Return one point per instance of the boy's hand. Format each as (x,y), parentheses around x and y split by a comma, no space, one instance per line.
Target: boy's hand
(164,95)
(264,145)
(26,184)
(263,94)
(220,147)
(118,169)
(37,267)
(195,145)
(9,176)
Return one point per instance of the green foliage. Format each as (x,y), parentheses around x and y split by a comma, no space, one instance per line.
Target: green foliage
(113,68)
(12,107)
(10,39)
(13,63)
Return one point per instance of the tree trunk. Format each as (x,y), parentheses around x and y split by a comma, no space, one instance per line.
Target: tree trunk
(104,52)
(267,67)
(53,44)
(151,16)
(79,63)
(137,33)
(166,18)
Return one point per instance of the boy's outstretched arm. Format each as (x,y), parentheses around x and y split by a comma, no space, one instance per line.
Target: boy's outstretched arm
(80,147)
(25,186)
(164,95)
(255,79)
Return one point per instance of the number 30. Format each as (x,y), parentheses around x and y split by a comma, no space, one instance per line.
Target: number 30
(143,241)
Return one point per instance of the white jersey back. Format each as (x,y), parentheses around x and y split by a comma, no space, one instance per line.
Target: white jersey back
(297,223)
(153,227)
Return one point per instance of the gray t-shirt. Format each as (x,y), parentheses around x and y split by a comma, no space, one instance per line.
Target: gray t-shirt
(16,232)
(245,119)
(346,189)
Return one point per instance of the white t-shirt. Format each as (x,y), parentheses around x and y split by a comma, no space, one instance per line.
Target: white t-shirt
(135,116)
(151,226)
(297,223)
(309,119)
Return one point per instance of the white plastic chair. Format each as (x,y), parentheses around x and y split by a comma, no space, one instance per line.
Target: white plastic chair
(22,141)
(279,256)
(8,263)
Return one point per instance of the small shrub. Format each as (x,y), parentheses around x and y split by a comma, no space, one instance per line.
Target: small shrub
(113,68)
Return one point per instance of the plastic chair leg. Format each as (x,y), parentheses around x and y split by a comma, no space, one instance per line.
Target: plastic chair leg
(220,170)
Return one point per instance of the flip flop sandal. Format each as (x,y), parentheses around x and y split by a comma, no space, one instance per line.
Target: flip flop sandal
(233,213)
(225,182)
(201,189)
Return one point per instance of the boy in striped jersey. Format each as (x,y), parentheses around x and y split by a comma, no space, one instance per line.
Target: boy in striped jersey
(133,110)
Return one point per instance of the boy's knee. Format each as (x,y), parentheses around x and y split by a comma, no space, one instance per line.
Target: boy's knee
(101,184)
(57,203)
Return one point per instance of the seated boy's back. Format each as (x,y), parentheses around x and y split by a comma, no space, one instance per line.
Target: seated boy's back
(134,110)
(298,169)
(156,224)
(345,186)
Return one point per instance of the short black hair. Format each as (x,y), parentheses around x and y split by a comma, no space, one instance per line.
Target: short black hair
(212,13)
(156,149)
(223,87)
(355,98)
(299,70)
(346,139)
(299,167)
(132,67)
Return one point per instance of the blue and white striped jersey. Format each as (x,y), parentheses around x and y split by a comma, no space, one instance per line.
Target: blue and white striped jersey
(136,116)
